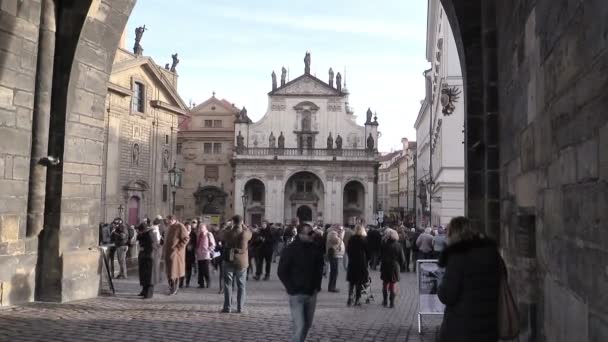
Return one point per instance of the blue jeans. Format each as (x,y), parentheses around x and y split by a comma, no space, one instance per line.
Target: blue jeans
(302,312)
(230,274)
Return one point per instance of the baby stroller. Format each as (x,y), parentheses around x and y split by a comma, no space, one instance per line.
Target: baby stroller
(366,291)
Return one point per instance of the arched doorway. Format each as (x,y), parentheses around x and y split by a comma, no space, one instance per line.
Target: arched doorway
(254,206)
(304,197)
(133,210)
(304,213)
(353,202)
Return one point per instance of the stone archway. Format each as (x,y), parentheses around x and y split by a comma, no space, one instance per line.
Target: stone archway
(353,199)
(304,189)
(254,203)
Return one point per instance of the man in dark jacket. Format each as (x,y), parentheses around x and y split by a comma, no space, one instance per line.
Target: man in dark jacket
(374,241)
(300,271)
(264,242)
(120,238)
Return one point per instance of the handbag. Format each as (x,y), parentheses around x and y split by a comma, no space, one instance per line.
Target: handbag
(508,316)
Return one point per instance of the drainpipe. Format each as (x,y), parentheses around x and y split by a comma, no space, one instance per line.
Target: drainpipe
(39,159)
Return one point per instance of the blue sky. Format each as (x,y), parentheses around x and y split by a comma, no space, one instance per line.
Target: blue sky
(232,46)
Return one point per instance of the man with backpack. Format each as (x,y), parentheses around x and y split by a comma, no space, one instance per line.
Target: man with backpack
(120,238)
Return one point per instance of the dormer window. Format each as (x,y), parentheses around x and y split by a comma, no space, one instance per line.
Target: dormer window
(137,104)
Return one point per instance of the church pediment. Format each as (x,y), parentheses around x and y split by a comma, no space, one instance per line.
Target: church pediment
(306,85)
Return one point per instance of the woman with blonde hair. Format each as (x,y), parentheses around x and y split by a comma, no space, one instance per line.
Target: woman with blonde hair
(391,261)
(358,257)
(469,287)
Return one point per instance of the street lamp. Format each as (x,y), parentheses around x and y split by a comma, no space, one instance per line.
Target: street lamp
(244,199)
(174,180)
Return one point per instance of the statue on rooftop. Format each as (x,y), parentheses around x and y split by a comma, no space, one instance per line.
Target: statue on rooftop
(175,62)
(338,142)
(339,82)
(370,142)
(274,80)
(283,76)
(139,32)
(307,63)
(331,77)
(281,141)
(330,142)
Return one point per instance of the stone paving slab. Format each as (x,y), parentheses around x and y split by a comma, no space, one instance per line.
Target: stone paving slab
(193,315)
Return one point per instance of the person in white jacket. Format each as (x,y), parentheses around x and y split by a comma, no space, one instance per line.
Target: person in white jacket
(205,246)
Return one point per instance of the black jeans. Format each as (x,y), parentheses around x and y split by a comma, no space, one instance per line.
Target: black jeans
(357,289)
(148,291)
(333,273)
(204,279)
(260,259)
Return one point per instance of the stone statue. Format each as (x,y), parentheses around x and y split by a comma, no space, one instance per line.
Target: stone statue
(281,141)
(135,160)
(338,142)
(339,82)
(166,159)
(272,141)
(330,142)
(274,80)
(331,77)
(243,115)
(167,67)
(370,142)
(283,76)
(307,63)
(175,62)
(369,113)
(240,141)
(139,32)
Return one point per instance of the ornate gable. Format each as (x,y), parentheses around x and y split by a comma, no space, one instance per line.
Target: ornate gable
(306,85)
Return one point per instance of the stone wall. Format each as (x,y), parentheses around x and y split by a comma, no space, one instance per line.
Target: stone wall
(552,70)
(18,53)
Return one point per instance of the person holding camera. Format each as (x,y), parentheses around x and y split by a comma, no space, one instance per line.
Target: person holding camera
(236,259)
(120,238)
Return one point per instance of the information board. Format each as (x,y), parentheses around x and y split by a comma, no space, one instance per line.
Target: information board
(429,276)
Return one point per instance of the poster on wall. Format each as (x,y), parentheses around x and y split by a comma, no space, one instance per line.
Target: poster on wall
(429,277)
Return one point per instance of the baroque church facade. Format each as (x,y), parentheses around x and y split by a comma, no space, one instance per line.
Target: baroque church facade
(306,157)
(143,110)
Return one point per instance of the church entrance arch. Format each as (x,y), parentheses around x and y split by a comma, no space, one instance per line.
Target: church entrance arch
(304,196)
(254,202)
(353,202)
(304,213)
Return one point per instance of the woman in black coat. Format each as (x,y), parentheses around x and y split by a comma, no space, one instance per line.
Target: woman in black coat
(358,257)
(469,288)
(392,259)
(148,273)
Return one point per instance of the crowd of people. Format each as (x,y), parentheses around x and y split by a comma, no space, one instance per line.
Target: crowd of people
(307,253)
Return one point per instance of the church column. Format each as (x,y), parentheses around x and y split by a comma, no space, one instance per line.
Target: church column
(239,188)
(369,202)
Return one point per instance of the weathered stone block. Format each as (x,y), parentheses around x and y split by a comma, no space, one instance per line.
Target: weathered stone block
(17,141)
(9,228)
(24,118)
(80,274)
(564,325)
(6,98)
(85,169)
(83,102)
(527,149)
(20,287)
(12,248)
(25,82)
(526,189)
(91,179)
(79,190)
(13,188)
(85,131)
(83,150)
(21,168)
(567,163)
(24,99)
(2,167)
(7,118)
(71,178)
(9,7)
(587,159)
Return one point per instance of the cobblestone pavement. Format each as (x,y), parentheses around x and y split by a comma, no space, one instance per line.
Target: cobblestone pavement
(193,315)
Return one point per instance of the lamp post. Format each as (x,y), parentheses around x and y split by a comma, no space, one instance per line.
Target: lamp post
(244,199)
(174,180)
